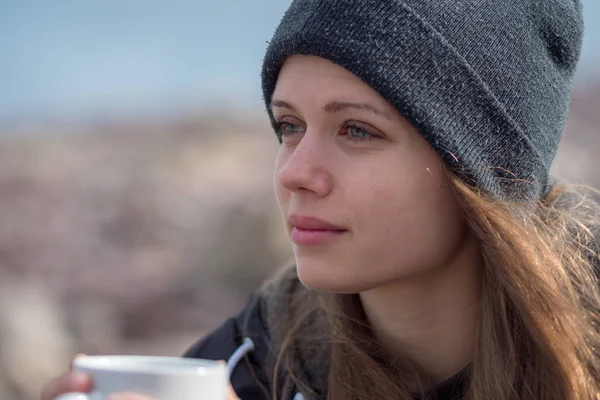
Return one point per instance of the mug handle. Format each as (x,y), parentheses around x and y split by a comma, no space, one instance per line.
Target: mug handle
(73,396)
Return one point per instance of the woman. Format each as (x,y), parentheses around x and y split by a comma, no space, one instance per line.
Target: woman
(434,258)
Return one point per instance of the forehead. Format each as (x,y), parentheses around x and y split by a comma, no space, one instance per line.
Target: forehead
(314,77)
(312,65)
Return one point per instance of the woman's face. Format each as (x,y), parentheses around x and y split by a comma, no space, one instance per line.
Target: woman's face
(364,197)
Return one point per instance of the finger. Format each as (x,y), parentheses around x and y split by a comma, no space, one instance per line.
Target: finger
(75,358)
(71,382)
(127,396)
(231,395)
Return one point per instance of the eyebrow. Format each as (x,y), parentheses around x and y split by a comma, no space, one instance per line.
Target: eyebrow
(336,106)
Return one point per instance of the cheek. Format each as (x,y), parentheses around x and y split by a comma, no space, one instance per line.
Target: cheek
(282,195)
(409,219)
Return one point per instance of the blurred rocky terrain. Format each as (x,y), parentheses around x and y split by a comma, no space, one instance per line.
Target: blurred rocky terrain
(134,238)
(139,237)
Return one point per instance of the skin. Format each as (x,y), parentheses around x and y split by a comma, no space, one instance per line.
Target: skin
(74,381)
(406,249)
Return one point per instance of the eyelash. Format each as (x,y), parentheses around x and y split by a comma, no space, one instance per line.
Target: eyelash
(369,138)
(348,125)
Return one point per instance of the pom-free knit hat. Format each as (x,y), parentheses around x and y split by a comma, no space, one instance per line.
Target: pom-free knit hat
(486,82)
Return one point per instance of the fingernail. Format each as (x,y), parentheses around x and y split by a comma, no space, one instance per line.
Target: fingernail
(79,376)
(80,379)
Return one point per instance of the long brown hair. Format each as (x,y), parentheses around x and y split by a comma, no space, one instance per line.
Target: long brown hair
(538,330)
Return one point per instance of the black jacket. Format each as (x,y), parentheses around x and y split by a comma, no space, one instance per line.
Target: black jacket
(248,376)
(246,343)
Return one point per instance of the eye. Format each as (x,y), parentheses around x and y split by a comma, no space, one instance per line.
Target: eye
(287,128)
(356,132)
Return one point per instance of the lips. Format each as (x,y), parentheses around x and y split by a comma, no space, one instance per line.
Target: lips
(313,223)
(308,230)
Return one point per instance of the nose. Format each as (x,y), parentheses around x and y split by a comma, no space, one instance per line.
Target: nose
(304,168)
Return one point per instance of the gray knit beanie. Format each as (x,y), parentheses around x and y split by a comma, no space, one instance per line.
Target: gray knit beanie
(486,82)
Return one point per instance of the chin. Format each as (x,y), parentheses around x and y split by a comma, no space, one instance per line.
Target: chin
(339,277)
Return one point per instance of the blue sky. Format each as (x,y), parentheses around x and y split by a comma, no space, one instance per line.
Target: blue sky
(95,57)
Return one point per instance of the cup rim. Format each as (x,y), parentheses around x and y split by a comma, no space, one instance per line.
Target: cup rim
(158,365)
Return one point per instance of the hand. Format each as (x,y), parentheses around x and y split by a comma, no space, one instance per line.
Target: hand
(72,381)
(134,396)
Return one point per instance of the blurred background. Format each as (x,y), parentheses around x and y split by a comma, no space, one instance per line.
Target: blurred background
(136,208)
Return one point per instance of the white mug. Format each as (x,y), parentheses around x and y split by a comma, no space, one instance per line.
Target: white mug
(162,378)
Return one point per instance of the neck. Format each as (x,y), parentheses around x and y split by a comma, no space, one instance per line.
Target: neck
(431,319)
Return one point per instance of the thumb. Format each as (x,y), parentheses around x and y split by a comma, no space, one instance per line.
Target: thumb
(75,358)
(231,395)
